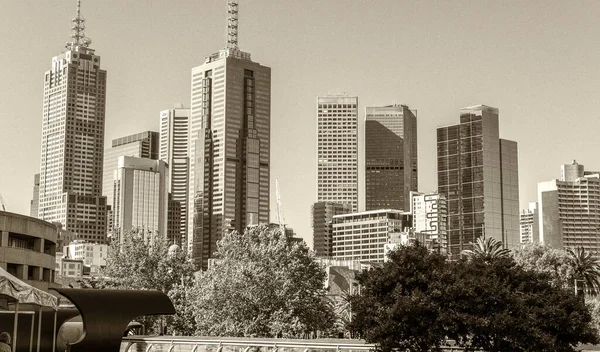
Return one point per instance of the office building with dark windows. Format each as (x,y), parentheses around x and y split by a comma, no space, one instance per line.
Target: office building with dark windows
(322,214)
(229,151)
(337,150)
(70,186)
(391,168)
(478,175)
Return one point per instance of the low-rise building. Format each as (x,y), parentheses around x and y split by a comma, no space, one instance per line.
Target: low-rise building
(28,249)
(92,255)
(362,236)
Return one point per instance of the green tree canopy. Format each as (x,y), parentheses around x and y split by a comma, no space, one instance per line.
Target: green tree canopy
(261,285)
(418,299)
(542,258)
(586,269)
(146,262)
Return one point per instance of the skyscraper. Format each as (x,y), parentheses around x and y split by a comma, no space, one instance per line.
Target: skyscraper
(390,157)
(139,145)
(73,139)
(337,150)
(174,132)
(569,209)
(478,174)
(230,130)
(141,196)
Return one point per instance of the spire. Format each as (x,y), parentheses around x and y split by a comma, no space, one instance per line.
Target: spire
(78,38)
(232,24)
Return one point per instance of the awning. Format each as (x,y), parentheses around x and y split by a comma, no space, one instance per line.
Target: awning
(18,291)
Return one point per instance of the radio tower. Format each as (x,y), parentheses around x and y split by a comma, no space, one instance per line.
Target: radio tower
(78,38)
(232,24)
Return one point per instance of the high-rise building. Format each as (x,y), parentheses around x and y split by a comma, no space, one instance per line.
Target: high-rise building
(174,133)
(322,219)
(139,145)
(73,139)
(430,217)
(391,170)
(35,201)
(569,209)
(529,223)
(141,197)
(363,236)
(478,174)
(337,150)
(230,130)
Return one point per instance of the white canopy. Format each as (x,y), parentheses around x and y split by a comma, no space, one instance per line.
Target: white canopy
(17,290)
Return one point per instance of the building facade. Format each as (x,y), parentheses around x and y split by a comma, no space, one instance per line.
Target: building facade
(230,133)
(529,224)
(322,214)
(337,150)
(569,209)
(141,197)
(139,145)
(28,249)
(174,140)
(92,255)
(478,174)
(73,140)
(391,167)
(430,217)
(35,201)
(363,236)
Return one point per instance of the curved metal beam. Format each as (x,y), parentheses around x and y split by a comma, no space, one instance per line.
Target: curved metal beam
(106,313)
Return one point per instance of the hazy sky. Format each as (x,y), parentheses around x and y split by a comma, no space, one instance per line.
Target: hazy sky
(537,61)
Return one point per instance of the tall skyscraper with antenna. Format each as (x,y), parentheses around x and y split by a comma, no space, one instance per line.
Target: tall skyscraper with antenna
(230,122)
(70,186)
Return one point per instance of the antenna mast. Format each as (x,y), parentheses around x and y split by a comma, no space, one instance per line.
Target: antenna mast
(232,24)
(78,38)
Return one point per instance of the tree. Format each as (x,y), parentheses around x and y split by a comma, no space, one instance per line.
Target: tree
(586,269)
(145,263)
(418,299)
(261,285)
(487,249)
(542,258)
(399,304)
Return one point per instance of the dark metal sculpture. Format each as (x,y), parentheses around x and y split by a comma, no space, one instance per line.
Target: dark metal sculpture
(106,313)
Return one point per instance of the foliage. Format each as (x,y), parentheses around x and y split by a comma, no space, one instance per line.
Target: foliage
(399,304)
(487,249)
(586,268)
(145,263)
(418,299)
(261,285)
(542,258)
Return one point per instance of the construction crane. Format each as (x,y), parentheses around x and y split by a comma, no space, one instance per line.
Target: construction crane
(2,203)
(280,217)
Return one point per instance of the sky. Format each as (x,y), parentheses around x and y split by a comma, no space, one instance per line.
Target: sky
(537,61)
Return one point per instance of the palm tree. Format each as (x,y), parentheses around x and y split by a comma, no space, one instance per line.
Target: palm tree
(487,249)
(586,269)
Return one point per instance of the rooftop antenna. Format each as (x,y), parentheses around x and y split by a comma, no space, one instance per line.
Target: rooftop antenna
(78,38)
(232,24)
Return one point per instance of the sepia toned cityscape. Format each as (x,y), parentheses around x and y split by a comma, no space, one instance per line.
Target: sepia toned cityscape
(415,233)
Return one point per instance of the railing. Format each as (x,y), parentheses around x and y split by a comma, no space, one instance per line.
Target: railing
(216,344)
(204,344)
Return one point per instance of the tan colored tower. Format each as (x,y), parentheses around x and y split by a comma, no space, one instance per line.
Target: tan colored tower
(230,132)
(70,190)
